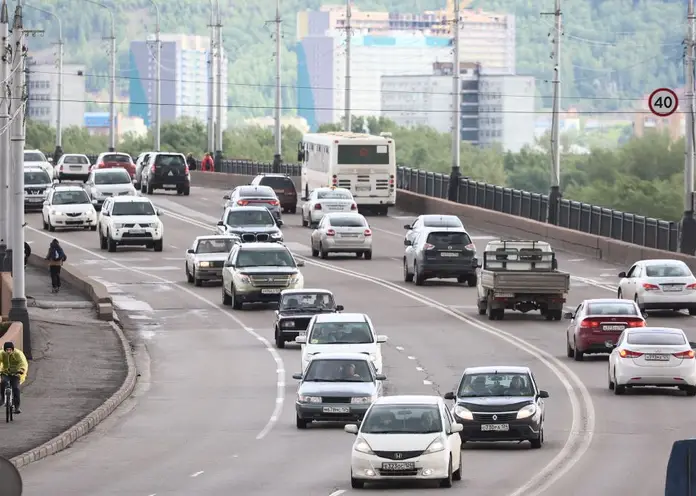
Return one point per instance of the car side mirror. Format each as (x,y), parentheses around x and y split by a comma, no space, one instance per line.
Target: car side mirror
(543,394)
(692,344)
(644,314)
(190,250)
(339,308)
(158,212)
(300,263)
(45,203)
(95,202)
(450,396)
(381,377)
(408,242)
(457,428)
(229,264)
(622,275)
(50,160)
(297,376)
(407,227)
(279,223)
(568,315)
(382,339)
(301,339)
(351,429)
(220,223)
(56,181)
(226,197)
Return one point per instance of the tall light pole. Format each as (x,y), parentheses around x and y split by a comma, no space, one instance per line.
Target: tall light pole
(59,63)
(349,35)
(554,202)
(277,158)
(687,239)
(5,68)
(220,110)
(211,81)
(112,77)
(158,77)
(453,190)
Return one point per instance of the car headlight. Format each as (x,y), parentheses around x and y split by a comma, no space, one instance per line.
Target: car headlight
(463,413)
(118,226)
(243,279)
(527,411)
(308,399)
(288,323)
(277,235)
(204,264)
(55,212)
(363,400)
(362,446)
(437,445)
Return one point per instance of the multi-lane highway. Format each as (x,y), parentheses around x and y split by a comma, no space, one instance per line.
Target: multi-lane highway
(214,411)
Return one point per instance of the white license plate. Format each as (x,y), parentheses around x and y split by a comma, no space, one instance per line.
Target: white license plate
(363,188)
(136,231)
(347,235)
(169,186)
(657,358)
(672,289)
(75,168)
(399,466)
(613,328)
(336,409)
(495,427)
(35,200)
(449,254)
(271,291)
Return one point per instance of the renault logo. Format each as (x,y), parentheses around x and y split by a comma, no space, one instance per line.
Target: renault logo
(398,456)
(495,417)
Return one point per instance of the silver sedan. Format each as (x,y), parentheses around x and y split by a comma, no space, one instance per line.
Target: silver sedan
(342,232)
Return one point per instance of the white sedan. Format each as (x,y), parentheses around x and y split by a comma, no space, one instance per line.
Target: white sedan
(406,437)
(323,201)
(659,285)
(342,233)
(651,356)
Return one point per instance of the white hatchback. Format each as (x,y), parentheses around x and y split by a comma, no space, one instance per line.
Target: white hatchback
(341,333)
(406,437)
(653,356)
(73,166)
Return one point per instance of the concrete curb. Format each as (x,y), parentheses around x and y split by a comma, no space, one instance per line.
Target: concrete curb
(84,426)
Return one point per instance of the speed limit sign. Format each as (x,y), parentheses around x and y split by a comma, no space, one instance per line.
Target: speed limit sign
(663,102)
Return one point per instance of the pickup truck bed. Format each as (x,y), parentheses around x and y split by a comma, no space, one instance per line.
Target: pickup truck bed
(525,281)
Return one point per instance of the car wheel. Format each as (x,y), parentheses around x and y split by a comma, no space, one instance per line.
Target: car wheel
(578,355)
(482,307)
(226,299)
(539,442)
(691,390)
(356,483)
(189,277)
(279,341)
(102,241)
(472,281)
(420,279)
(196,281)
(236,302)
(619,389)
(45,224)
(368,255)
(300,422)
(611,383)
(315,252)
(51,227)
(447,482)
(324,254)
(110,243)
(142,188)
(408,277)
(292,210)
(457,475)
(187,191)
(619,295)
(569,349)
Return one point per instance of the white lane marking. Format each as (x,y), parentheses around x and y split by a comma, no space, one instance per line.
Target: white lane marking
(576,260)
(338,493)
(196,474)
(30,242)
(579,434)
(427,383)
(400,348)
(395,259)
(419,369)
(175,259)
(172,246)
(161,268)
(280,367)
(411,358)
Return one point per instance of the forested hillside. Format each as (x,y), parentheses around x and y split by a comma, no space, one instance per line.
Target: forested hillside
(612,48)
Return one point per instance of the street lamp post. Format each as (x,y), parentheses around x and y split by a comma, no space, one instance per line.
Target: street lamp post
(158,77)
(211,80)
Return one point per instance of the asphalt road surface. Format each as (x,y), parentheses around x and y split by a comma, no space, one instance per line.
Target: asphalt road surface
(214,413)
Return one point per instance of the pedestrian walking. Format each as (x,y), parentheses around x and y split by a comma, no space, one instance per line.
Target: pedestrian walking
(56,257)
(208,164)
(191,162)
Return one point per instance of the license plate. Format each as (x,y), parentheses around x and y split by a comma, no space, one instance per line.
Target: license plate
(363,188)
(336,409)
(279,191)
(657,358)
(671,289)
(271,291)
(495,427)
(75,167)
(136,231)
(613,328)
(170,185)
(35,200)
(449,254)
(347,235)
(397,466)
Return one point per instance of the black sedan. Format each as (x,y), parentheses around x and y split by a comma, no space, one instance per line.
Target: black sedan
(499,404)
(296,309)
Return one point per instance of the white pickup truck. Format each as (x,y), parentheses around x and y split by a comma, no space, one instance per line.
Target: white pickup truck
(522,276)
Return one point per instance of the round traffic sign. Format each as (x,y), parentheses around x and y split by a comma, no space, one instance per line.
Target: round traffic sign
(663,102)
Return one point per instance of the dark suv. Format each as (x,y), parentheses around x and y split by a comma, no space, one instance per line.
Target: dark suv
(167,171)
(284,189)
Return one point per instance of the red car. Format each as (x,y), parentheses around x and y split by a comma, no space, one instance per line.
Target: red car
(109,160)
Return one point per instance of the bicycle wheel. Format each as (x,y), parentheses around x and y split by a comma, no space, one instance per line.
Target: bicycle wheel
(8,408)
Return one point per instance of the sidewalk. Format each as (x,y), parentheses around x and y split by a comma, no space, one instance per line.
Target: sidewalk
(78,363)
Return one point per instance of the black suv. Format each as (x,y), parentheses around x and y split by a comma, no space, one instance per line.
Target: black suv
(296,309)
(284,189)
(167,171)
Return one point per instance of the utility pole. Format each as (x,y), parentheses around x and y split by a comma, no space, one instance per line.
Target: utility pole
(158,78)
(687,238)
(211,82)
(455,174)
(18,311)
(220,110)
(349,39)
(5,68)
(554,204)
(277,158)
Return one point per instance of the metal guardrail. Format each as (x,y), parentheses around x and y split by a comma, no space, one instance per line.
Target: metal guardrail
(578,216)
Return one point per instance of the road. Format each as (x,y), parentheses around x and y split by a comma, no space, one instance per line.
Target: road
(214,412)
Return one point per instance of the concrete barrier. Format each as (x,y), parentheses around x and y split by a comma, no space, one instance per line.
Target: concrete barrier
(15,333)
(96,291)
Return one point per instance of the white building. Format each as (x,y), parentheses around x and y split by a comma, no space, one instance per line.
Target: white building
(42,87)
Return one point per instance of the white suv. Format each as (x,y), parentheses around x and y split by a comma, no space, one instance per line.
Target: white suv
(129,221)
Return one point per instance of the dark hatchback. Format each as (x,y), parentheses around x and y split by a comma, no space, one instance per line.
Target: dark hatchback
(337,387)
(499,404)
(169,172)
(284,189)
(441,254)
(296,309)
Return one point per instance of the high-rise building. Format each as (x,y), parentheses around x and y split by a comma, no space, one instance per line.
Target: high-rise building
(386,43)
(42,88)
(184,72)
(495,107)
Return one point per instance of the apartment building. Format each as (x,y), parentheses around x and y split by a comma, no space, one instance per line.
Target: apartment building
(42,88)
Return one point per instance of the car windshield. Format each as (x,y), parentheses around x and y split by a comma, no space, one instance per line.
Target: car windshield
(402,419)
(347,221)
(306,301)
(612,308)
(75,159)
(112,177)
(341,333)
(34,157)
(338,371)
(445,239)
(124,159)
(656,338)
(265,258)
(258,192)
(215,245)
(442,222)
(36,177)
(334,194)
(667,270)
(170,160)
(492,384)
(70,198)
(275,182)
(133,208)
(245,217)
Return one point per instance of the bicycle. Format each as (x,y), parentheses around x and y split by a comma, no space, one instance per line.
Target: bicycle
(9,398)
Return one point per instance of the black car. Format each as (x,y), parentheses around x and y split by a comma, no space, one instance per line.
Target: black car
(296,309)
(284,188)
(499,404)
(167,171)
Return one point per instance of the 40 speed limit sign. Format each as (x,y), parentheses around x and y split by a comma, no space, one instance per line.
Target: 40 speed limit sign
(663,102)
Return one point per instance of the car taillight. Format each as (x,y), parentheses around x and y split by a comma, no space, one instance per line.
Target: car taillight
(186,170)
(330,232)
(589,323)
(367,232)
(685,354)
(636,323)
(391,181)
(470,246)
(274,202)
(100,165)
(153,168)
(317,206)
(334,179)
(630,354)
(61,168)
(353,207)
(650,287)
(428,246)
(242,202)
(691,286)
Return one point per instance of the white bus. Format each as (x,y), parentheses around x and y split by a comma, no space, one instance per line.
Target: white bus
(361,163)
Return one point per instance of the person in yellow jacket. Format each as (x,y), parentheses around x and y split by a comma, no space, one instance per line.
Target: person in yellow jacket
(13,370)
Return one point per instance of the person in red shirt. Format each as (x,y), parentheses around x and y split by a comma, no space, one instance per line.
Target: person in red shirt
(208,164)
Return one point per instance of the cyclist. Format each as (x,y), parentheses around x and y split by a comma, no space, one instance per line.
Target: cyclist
(13,369)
